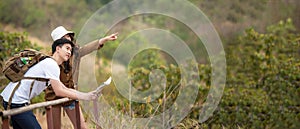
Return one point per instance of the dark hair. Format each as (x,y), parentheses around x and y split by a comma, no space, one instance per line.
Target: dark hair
(61,42)
(67,66)
(72,37)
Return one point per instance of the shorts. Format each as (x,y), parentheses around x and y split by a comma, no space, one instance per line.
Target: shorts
(71,106)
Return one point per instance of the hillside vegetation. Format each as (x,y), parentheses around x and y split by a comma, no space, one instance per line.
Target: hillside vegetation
(261,41)
(228,16)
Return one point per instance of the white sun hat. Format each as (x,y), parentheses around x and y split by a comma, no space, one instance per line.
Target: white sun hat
(59,32)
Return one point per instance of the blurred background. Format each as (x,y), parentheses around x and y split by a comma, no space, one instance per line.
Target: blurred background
(260,37)
(230,18)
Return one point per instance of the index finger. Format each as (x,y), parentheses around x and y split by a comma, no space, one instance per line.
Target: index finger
(115,34)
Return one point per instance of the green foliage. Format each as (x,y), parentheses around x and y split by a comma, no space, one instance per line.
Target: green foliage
(235,11)
(33,16)
(262,88)
(146,59)
(263,74)
(36,16)
(21,13)
(263,80)
(8,14)
(12,43)
(140,81)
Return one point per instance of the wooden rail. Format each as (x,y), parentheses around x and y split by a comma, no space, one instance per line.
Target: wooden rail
(48,104)
(32,106)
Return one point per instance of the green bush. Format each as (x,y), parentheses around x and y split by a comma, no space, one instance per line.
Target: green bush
(262,88)
(263,80)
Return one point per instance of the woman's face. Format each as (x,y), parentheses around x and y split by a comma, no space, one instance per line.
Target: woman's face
(68,37)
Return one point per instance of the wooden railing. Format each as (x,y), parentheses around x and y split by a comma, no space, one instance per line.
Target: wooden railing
(48,104)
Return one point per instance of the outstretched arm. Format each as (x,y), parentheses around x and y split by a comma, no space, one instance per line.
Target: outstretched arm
(97,44)
(60,90)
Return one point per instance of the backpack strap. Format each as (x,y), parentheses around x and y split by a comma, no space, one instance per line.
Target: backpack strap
(11,95)
(38,79)
(31,87)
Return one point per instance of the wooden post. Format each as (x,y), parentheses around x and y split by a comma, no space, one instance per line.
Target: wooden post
(49,117)
(54,116)
(77,114)
(5,123)
(76,63)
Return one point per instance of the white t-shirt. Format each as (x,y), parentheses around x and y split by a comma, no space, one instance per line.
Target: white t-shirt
(47,68)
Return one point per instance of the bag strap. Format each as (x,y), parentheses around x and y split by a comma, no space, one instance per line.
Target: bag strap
(11,95)
(38,79)
(31,87)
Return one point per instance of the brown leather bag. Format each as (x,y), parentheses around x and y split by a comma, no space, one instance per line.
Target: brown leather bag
(66,78)
(16,66)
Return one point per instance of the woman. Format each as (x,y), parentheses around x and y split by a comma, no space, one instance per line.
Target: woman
(69,76)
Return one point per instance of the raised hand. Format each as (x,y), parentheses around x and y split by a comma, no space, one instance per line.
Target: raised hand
(111,37)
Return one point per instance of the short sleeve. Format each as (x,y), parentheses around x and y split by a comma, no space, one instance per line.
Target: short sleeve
(51,69)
